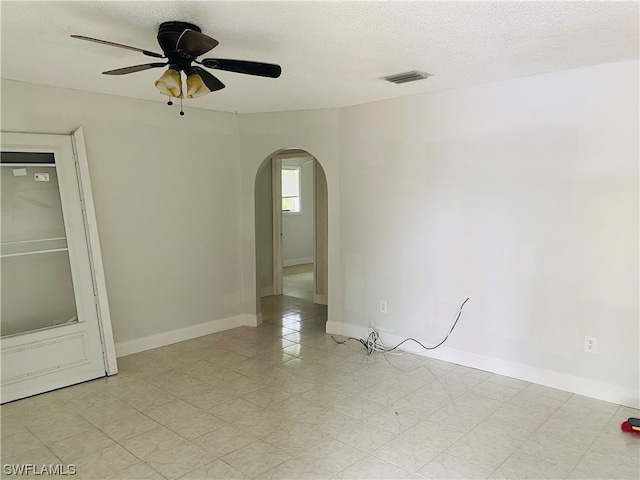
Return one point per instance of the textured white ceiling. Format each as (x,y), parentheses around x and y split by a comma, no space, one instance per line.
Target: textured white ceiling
(332,53)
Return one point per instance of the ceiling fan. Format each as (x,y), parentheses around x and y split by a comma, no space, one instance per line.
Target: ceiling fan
(182,43)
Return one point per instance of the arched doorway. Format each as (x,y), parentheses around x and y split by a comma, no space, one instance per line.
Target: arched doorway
(291,218)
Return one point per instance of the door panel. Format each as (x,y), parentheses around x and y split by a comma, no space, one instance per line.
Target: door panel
(37,289)
(49,326)
(37,292)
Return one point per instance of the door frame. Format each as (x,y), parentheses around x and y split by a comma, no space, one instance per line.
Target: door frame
(276,189)
(95,253)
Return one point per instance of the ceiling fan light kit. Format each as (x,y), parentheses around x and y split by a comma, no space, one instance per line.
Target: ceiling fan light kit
(182,43)
(196,86)
(170,83)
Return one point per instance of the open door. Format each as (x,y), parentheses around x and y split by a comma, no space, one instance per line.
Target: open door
(55,328)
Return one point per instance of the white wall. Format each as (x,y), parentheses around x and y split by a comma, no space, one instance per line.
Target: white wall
(320,272)
(522,194)
(264,230)
(297,228)
(167,199)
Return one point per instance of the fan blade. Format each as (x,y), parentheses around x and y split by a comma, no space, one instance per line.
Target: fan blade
(133,69)
(209,80)
(119,45)
(244,66)
(195,43)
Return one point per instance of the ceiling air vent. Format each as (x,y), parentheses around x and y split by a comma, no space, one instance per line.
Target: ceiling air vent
(405,77)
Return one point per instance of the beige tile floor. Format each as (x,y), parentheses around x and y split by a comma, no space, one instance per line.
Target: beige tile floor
(284,401)
(297,281)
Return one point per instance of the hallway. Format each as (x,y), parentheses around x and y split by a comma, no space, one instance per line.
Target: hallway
(294,313)
(297,281)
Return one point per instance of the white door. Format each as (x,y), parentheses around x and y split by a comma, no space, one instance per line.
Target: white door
(49,323)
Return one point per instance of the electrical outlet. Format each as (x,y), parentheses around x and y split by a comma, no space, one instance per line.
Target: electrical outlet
(590,344)
(383,306)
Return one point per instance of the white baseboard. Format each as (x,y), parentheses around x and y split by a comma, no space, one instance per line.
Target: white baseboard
(345,329)
(181,334)
(320,299)
(297,261)
(549,378)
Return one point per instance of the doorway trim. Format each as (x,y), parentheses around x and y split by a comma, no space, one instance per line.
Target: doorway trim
(276,188)
(95,253)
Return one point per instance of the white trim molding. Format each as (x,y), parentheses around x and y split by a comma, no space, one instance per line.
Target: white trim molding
(266,291)
(182,334)
(95,254)
(549,378)
(320,299)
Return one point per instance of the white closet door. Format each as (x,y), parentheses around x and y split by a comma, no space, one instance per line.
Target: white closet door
(49,323)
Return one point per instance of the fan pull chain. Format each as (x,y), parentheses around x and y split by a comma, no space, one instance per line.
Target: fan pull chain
(169,102)
(181,112)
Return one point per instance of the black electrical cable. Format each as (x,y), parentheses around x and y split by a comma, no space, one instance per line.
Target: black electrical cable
(364,344)
(445,338)
(371,344)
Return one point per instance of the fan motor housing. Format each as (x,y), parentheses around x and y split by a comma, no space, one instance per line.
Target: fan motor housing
(168,35)
(178,27)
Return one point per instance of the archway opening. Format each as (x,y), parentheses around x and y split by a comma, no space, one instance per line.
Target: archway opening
(291,237)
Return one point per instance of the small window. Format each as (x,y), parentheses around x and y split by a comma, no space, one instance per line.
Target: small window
(290,189)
